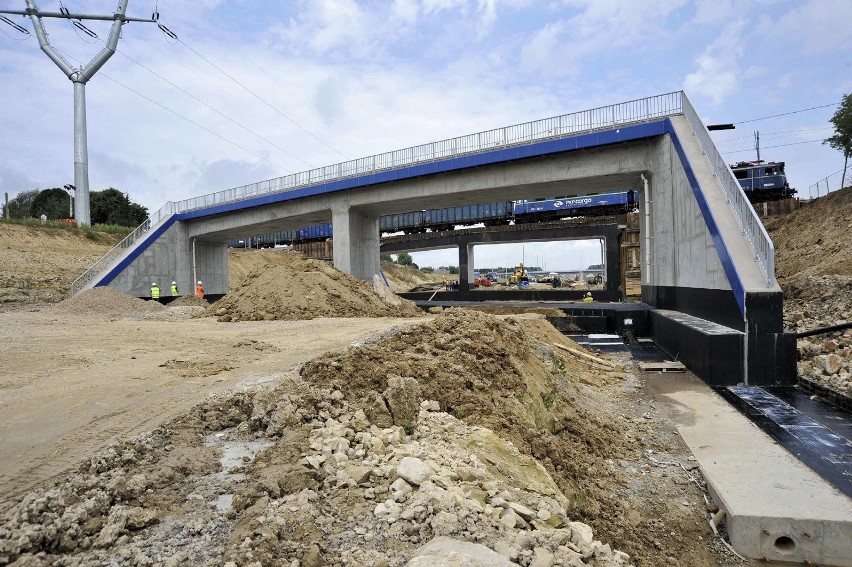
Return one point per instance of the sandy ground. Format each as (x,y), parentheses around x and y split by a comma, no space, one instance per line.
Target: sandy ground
(69,386)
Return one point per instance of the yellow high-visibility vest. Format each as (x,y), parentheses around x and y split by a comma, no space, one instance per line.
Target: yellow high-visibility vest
(155,292)
(175,291)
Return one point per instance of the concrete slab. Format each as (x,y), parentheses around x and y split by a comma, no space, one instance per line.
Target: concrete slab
(777,509)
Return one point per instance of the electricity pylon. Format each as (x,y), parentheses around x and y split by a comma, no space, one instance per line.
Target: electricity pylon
(79,76)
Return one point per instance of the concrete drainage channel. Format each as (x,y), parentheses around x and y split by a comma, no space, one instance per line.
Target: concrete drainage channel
(785,498)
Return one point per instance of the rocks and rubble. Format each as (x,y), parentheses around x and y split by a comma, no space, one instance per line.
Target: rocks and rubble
(813,302)
(306,473)
(813,262)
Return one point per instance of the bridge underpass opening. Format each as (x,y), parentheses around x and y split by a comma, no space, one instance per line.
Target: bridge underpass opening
(576,261)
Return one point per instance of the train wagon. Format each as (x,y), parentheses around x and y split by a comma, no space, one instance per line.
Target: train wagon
(490,214)
(555,208)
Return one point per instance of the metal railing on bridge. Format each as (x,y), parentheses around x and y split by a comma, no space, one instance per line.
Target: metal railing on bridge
(566,125)
(605,117)
(761,244)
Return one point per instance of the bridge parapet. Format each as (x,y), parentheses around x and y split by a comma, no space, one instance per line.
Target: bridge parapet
(566,125)
(753,229)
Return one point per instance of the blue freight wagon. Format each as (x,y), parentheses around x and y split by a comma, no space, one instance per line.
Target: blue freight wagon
(315,233)
(490,214)
(407,222)
(554,208)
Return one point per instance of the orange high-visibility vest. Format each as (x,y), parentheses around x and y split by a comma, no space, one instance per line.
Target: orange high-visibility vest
(199,291)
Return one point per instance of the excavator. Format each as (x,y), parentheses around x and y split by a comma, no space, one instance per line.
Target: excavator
(520,276)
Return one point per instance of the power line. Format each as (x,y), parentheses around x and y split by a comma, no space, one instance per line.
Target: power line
(788,113)
(257,65)
(320,140)
(222,114)
(773,134)
(775,146)
(119,83)
(179,115)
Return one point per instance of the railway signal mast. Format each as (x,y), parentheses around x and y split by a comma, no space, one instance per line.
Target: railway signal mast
(79,76)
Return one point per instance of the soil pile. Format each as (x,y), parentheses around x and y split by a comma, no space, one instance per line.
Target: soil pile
(286,286)
(813,262)
(39,263)
(505,375)
(815,238)
(406,278)
(189,301)
(365,456)
(106,302)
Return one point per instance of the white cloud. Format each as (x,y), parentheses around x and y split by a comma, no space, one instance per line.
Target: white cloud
(594,29)
(817,25)
(405,11)
(718,69)
(368,78)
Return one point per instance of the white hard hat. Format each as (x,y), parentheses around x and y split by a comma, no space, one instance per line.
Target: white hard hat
(589,293)
(174,283)
(199,281)
(153,283)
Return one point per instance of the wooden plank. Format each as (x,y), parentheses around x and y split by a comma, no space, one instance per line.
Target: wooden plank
(585,355)
(667,366)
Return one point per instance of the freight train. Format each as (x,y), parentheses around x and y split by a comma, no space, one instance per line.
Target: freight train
(763,181)
(489,214)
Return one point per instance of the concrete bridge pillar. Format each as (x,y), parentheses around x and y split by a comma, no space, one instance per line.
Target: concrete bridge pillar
(466,263)
(356,243)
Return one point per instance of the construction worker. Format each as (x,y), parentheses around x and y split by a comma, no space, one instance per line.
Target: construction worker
(199,290)
(588,298)
(175,291)
(155,291)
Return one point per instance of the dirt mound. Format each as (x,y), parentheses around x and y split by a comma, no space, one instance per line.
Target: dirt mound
(813,263)
(39,263)
(106,302)
(189,301)
(815,238)
(505,375)
(406,278)
(370,453)
(497,310)
(286,286)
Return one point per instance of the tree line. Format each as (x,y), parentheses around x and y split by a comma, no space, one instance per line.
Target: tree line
(109,206)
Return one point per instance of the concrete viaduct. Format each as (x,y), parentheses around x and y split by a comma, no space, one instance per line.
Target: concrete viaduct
(707,262)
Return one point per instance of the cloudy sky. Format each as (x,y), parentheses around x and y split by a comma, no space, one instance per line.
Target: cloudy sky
(254,90)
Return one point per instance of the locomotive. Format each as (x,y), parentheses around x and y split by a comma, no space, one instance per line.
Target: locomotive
(763,181)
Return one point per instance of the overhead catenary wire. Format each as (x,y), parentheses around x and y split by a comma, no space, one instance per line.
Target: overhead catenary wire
(220,113)
(261,99)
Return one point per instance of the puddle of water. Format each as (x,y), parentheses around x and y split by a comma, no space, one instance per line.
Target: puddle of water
(235,454)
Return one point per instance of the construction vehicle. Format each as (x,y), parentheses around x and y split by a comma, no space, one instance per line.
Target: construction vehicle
(519,276)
